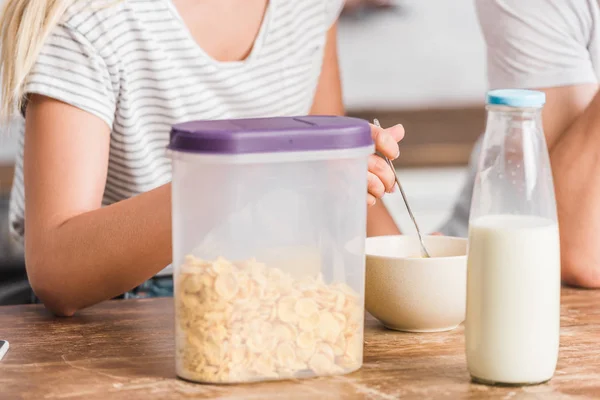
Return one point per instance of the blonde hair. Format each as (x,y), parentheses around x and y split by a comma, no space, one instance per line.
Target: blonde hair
(24,27)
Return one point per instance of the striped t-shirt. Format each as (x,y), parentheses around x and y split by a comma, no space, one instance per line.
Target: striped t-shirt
(135,65)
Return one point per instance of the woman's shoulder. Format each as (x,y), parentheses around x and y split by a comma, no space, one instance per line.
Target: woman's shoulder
(326,10)
(83,13)
(104,22)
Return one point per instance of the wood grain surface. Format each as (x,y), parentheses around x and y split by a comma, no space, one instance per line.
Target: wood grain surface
(124,350)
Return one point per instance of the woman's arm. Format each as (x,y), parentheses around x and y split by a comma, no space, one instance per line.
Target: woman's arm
(78,253)
(328,101)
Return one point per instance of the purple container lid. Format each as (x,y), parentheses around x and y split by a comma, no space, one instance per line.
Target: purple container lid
(270,135)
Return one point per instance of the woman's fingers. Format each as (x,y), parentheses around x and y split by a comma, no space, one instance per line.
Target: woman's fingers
(380,176)
(382,171)
(371,200)
(397,132)
(375,186)
(386,140)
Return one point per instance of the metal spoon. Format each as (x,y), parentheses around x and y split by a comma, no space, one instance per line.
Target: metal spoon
(424,251)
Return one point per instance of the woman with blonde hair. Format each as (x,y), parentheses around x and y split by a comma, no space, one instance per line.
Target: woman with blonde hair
(99,84)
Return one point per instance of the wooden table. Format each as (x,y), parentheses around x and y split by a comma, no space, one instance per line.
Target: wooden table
(124,350)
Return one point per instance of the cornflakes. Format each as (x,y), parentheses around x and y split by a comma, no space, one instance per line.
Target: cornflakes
(244,321)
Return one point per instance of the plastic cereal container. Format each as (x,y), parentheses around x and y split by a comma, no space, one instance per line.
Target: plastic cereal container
(269,220)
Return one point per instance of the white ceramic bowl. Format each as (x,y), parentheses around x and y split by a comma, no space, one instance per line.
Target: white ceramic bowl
(413,294)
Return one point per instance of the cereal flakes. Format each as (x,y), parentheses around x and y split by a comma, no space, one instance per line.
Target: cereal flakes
(243,321)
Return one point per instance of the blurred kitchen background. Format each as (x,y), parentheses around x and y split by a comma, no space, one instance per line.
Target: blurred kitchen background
(420,63)
(416,62)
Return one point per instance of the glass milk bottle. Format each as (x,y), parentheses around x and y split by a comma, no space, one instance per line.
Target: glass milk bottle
(513,283)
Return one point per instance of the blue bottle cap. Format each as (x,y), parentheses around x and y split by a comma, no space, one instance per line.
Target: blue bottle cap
(516,98)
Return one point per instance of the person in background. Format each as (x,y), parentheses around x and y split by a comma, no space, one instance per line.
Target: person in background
(100,83)
(553,46)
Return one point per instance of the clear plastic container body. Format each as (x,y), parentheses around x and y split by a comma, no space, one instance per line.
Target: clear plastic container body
(268,253)
(513,284)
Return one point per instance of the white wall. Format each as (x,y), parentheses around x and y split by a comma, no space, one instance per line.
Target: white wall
(433,56)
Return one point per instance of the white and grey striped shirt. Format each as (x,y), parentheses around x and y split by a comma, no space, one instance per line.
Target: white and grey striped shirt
(136,66)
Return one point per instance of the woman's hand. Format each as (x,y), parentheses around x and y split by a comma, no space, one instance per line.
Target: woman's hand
(381,177)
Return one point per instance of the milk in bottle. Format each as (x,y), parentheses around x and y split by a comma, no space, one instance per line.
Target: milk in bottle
(513,279)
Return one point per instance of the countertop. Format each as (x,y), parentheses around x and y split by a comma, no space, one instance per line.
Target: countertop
(125,350)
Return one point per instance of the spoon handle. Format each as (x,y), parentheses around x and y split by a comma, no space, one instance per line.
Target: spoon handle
(412,217)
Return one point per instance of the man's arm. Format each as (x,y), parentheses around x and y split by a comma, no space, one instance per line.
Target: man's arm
(572,125)
(328,100)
